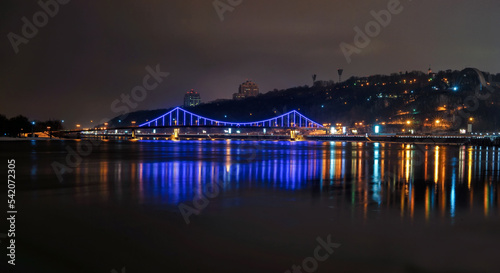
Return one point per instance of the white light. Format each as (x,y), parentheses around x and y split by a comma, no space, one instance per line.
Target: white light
(377,129)
(344,130)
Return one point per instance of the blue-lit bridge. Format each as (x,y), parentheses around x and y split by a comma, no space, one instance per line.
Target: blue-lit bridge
(179,117)
(291,125)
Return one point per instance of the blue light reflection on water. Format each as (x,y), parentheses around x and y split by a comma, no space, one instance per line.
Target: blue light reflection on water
(439,180)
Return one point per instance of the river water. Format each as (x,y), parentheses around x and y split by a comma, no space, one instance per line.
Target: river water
(258,206)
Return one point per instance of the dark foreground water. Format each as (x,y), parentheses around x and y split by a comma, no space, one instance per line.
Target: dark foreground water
(258,207)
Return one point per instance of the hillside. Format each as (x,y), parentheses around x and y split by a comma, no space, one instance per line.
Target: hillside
(412,98)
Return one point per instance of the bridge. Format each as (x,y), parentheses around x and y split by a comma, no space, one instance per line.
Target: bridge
(481,80)
(179,117)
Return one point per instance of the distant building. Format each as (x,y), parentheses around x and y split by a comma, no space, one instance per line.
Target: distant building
(246,90)
(191,98)
(431,74)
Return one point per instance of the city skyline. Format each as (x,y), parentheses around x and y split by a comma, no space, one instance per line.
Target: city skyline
(95,64)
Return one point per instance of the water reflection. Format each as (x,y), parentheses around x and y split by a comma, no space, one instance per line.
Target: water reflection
(432,180)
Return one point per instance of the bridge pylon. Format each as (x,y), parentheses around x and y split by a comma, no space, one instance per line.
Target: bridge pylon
(175,136)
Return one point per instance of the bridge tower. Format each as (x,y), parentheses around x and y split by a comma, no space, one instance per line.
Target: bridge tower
(176,134)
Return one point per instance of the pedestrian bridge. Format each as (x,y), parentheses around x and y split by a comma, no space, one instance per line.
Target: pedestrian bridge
(181,117)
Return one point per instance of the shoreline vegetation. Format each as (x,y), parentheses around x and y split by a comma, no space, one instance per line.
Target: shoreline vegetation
(20,126)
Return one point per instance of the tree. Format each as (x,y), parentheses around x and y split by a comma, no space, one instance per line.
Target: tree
(18,125)
(55,125)
(3,125)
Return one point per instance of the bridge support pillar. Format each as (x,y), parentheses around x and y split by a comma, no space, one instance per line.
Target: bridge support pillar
(295,135)
(176,133)
(133,134)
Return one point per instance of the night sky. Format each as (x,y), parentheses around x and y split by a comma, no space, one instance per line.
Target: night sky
(91,52)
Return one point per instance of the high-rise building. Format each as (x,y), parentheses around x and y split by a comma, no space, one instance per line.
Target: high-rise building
(247,89)
(191,98)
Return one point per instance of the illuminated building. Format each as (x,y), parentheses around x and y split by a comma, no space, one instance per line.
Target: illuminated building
(191,98)
(247,89)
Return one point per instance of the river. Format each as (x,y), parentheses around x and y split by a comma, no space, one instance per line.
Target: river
(243,206)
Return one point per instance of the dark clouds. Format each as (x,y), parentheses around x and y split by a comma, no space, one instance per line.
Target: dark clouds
(91,52)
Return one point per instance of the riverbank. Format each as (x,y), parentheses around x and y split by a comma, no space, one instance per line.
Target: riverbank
(415,139)
(469,140)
